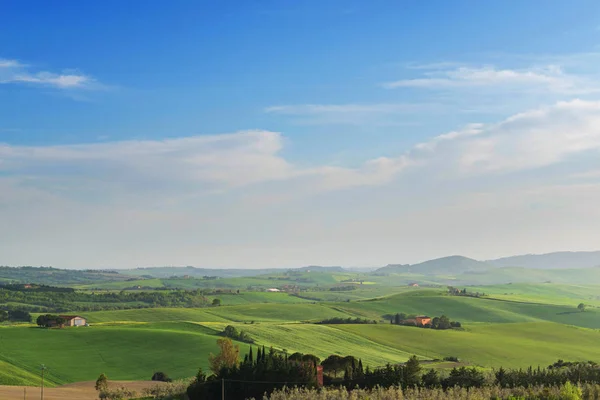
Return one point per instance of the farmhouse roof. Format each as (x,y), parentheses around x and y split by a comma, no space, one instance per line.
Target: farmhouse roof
(68,317)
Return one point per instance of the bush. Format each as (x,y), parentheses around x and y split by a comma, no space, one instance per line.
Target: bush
(451,358)
(121,393)
(171,390)
(233,333)
(161,377)
(565,392)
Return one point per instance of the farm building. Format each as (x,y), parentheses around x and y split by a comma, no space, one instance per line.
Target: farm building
(422,320)
(73,320)
(273,290)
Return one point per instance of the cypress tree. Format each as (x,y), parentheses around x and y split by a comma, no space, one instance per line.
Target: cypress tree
(250,358)
(258,356)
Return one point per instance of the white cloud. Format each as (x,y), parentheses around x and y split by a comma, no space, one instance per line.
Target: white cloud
(549,78)
(235,200)
(9,63)
(209,163)
(12,71)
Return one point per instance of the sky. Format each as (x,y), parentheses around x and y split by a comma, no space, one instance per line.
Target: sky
(248,134)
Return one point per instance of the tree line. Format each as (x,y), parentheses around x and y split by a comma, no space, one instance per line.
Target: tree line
(15,316)
(255,375)
(349,320)
(73,301)
(271,370)
(442,322)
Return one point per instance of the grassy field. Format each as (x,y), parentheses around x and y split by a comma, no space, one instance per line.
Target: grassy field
(320,340)
(122,352)
(231,299)
(491,345)
(530,325)
(468,309)
(548,293)
(12,375)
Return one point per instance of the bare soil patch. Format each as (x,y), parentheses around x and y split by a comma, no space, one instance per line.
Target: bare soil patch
(72,391)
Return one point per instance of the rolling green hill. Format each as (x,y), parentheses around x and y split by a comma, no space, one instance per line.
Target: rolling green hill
(441,266)
(122,352)
(535,324)
(515,344)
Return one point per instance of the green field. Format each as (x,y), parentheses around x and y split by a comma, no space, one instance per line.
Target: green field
(122,352)
(11,374)
(529,325)
(490,345)
(549,293)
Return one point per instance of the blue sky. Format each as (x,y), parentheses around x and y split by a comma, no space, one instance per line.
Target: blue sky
(285,133)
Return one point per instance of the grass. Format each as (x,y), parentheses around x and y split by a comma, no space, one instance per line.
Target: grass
(228,299)
(547,293)
(153,315)
(122,352)
(133,344)
(12,375)
(320,340)
(515,345)
(278,312)
(468,309)
(120,285)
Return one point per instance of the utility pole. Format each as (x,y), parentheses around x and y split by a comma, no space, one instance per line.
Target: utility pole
(222,389)
(43,367)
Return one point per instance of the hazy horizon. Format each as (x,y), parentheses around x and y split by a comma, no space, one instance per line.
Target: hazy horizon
(286,135)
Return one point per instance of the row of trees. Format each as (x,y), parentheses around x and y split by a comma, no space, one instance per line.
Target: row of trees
(271,370)
(231,332)
(349,320)
(442,322)
(256,375)
(73,301)
(49,320)
(463,292)
(15,316)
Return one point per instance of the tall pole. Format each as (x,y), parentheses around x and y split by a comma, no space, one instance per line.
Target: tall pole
(222,389)
(43,369)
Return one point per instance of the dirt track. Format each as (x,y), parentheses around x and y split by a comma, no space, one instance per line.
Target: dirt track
(73,391)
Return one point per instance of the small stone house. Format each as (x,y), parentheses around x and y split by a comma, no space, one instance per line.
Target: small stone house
(74,320)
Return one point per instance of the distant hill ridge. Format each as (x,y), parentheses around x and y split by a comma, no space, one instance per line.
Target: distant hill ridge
(440,266)
(557,260)
(453,265)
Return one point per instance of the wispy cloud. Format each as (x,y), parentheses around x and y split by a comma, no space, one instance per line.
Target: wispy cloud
(373,114)
(549,78)
(13,71)
(203,197)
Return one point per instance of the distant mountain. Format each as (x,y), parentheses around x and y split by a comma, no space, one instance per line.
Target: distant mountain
(318,268)
(440,266)
(558,260)
(167,272)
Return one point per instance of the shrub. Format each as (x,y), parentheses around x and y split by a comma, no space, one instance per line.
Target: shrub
(121,393)
(161,377)
(171,390)
(451,358)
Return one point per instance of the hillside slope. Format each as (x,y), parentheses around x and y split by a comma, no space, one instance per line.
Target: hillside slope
(451,265)
(558,260)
